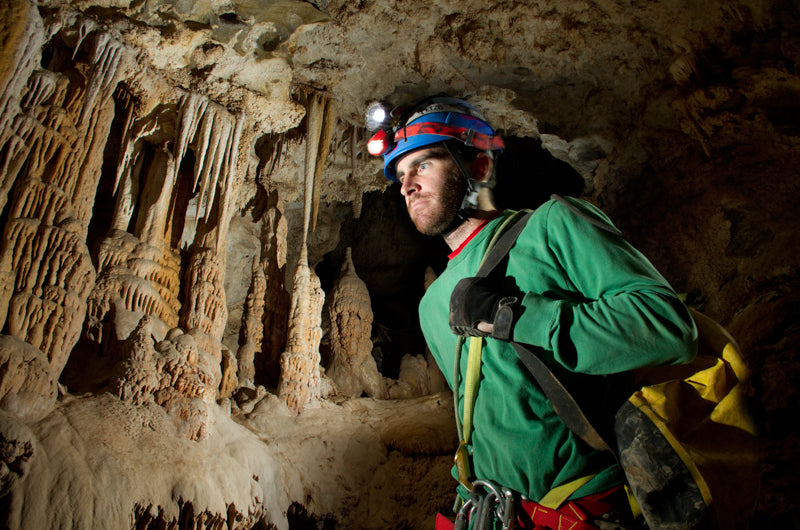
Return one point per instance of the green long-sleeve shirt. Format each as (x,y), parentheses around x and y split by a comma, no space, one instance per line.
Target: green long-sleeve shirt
(592,304)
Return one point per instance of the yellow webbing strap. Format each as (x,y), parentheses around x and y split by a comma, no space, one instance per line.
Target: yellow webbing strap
(636,510)
(473,376)
(471,383)
(463,466)
(558,495)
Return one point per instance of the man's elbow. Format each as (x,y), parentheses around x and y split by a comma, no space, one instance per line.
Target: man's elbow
(686,338)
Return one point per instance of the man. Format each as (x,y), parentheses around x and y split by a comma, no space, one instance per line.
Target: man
(591,306)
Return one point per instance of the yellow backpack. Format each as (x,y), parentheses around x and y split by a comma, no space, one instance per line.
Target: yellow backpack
(687,439)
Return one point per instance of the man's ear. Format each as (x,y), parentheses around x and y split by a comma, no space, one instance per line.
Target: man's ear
(481,167)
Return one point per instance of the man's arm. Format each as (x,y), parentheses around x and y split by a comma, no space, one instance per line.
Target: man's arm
(625,316)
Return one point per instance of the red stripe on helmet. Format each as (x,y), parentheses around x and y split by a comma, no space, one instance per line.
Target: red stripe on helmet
(470,137)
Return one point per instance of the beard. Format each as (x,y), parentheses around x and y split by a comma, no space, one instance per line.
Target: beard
(440,210)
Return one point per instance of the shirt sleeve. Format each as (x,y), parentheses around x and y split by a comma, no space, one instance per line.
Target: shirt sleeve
(610,311)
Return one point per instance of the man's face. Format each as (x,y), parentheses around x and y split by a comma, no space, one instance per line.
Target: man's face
(433,188)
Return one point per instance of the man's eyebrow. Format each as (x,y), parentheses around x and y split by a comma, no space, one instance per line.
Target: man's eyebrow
(414,162)
(432,154)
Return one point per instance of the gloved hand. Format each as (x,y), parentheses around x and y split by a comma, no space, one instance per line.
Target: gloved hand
(475,300)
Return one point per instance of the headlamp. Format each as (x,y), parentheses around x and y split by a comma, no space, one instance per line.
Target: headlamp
(380,143)
(379,116)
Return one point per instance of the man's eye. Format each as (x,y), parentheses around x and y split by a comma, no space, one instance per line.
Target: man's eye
(423,166)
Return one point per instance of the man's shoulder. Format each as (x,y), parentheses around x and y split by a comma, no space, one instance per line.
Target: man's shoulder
(570,210)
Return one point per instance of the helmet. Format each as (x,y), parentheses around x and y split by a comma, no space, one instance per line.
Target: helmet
(432,121)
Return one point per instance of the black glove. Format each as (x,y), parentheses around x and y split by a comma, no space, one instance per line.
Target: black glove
(476,300)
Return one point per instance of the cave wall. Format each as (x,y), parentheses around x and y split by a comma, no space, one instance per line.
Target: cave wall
(192,225)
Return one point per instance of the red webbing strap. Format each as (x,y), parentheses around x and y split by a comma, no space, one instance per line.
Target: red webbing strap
(572,515)
(468,136)
(538,518)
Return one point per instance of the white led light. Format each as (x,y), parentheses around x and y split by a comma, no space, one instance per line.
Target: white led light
(378,116)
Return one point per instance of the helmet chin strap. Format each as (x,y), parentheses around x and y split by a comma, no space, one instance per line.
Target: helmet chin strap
(469,204)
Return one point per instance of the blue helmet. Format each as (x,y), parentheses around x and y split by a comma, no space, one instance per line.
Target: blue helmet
(432,121)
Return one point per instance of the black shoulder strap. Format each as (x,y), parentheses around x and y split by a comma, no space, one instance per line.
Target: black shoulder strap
(502,243)
(562,401)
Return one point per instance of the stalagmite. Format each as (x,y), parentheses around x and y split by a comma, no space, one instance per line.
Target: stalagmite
(204,305)
(352,366)
(228,379)
(277,301)
(252,326)
(137,278)
(135,377)
(300,373)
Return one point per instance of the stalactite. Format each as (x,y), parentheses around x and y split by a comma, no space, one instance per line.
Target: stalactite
(328,121)
(314,124)
(20,49)
(300,372)
(107,59)
(110,62)
(87,26)
(352,366)
(230,186)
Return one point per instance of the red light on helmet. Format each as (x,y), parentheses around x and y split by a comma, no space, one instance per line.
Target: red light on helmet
(379,144)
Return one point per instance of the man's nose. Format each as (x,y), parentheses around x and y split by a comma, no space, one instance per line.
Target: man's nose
(407,186)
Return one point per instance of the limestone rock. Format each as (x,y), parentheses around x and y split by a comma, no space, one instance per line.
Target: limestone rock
(174,373)
(28,389)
